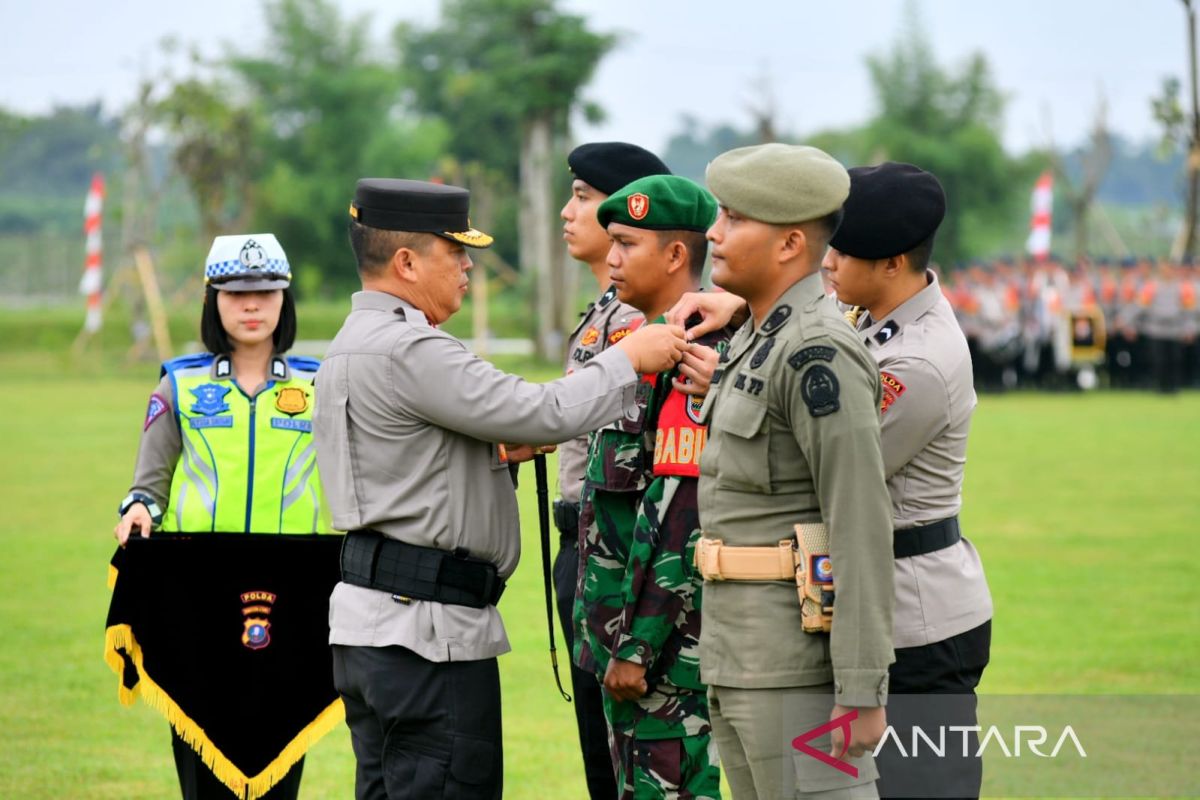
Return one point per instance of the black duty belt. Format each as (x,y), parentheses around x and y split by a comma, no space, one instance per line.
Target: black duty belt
(918,541)
(411,572)
(566,518)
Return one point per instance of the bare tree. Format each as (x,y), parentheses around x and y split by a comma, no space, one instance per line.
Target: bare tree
(1094,160)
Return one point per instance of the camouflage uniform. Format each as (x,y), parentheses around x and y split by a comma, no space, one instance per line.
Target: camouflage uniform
(646,604)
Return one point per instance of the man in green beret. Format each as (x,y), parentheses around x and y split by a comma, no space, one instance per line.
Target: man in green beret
(638,605)
(792,496)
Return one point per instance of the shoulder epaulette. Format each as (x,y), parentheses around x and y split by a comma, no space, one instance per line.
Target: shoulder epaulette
(304,362)
(186,362)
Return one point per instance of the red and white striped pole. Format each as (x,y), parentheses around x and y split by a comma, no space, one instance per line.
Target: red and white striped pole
(1038,244)
(90,285)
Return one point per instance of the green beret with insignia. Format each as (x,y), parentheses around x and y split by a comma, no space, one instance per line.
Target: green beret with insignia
(660,203)
(779,183)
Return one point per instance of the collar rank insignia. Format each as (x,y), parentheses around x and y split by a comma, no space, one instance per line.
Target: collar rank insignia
(291,400)
(776,320)
(210,399)
(223,368)
(609,295)
(256,627)
(761,354)
(278,368)
(887,332)
(252,255)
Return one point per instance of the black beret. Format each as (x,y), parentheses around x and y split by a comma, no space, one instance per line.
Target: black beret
(891,209)
(395,204)
(609,166)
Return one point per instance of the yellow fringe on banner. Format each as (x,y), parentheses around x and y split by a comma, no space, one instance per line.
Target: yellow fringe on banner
(250,787)
(112,577)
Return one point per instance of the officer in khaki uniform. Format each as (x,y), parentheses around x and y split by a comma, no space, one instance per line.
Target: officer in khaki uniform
(409,428)
(793,439)
(878,261)
(598,170)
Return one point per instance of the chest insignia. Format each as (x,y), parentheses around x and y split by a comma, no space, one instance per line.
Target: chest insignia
(291,400)
(210,399)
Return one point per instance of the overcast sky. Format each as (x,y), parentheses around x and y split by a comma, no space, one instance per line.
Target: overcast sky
(1053,58)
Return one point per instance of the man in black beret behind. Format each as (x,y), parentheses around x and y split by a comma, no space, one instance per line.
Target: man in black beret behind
(598,169)
(878,260)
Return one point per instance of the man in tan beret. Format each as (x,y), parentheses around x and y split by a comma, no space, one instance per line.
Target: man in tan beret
(792,497)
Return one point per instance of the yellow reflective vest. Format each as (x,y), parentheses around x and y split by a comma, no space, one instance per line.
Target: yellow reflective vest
(248,464)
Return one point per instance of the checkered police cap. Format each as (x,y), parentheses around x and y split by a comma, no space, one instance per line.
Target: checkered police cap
(250,262)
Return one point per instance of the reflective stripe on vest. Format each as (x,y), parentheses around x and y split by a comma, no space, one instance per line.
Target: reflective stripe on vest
(247,464)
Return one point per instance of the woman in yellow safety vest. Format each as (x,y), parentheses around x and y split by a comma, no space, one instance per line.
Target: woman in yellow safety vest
(226,443)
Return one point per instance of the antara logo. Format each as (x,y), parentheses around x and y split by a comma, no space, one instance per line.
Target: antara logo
(1033,737)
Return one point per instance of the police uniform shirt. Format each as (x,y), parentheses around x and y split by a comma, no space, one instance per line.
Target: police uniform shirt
(603,324)
(405,417)
(794,437)
(928,398)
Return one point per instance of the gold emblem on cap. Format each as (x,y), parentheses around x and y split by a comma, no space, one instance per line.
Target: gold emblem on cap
(639,205)
(354,210)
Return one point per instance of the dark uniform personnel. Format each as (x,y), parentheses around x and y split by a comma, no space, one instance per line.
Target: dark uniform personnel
(599,169)
(408,425)
(943,609)
(793,441)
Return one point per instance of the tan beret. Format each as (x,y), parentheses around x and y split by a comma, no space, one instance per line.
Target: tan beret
(779,183)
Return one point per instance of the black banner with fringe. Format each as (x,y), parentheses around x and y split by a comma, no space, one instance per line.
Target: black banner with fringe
(227,635)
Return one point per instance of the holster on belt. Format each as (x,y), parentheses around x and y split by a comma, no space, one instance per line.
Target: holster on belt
(804,559)
(814,577)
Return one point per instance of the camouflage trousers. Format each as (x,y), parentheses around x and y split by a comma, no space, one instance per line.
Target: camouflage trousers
(679,768)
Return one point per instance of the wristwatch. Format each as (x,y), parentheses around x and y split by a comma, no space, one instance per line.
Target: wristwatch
(156,513)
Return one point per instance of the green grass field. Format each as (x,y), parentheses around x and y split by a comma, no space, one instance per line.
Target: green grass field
(1084,508)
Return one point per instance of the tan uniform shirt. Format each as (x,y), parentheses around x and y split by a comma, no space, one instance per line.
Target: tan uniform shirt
(405,422)
(794,437)
(928,398)
(604,323)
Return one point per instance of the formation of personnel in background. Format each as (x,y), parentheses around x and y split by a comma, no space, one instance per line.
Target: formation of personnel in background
(638,603)
(878,263)
(1043,324)
(226,431)
(598,169)
(411,430)
(793,505)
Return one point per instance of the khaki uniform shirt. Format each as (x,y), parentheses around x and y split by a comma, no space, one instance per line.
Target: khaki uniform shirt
(405,421)
(794,437)
(604,323)
(928,398)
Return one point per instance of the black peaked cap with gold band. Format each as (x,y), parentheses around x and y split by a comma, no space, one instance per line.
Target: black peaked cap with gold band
(397,204)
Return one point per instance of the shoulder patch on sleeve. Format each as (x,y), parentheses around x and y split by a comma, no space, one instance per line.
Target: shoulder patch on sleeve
(618,335)
(820,390)
(892,389)
(157,407)
(817,352)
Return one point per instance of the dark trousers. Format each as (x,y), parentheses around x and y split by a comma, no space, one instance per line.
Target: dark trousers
(598,768)
(1166,360)
(421,730)
(197,781)
(950,669)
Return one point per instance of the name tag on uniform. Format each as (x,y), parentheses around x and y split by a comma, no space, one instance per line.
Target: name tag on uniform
(210,422)
(284,423)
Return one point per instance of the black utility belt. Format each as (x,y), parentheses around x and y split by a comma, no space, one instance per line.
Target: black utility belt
(566,517)
(926,538)
(412,572)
